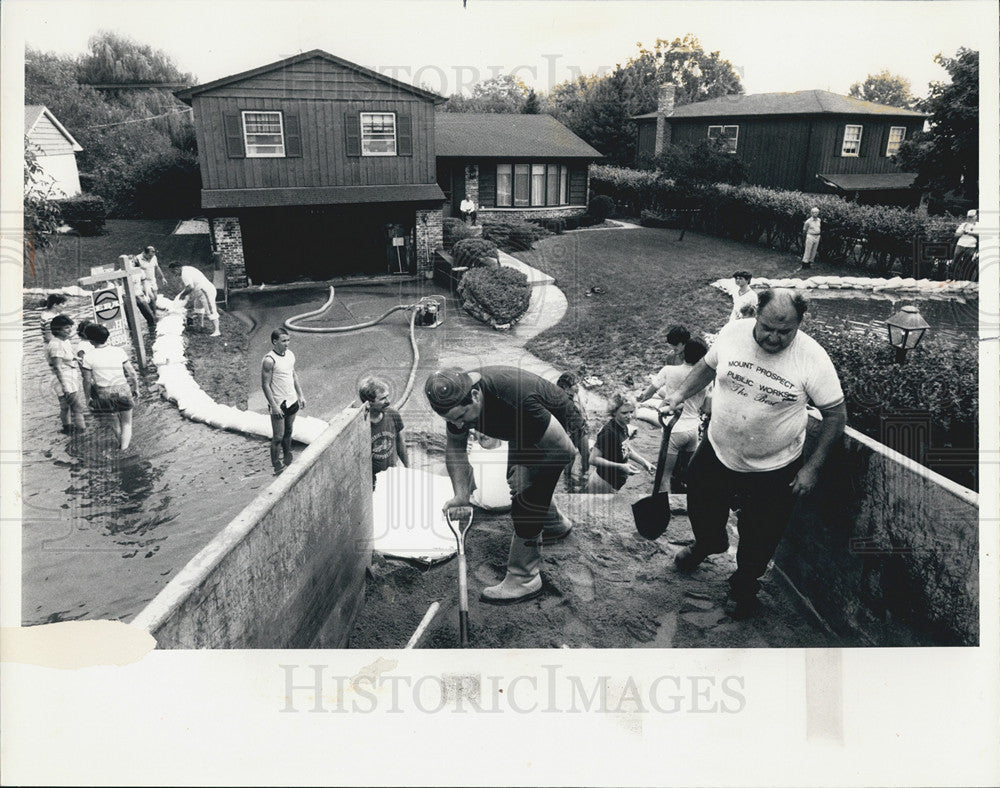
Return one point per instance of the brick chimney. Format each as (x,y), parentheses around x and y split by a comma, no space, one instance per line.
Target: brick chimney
(664,109)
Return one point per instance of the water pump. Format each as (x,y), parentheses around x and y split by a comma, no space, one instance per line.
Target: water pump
(430,312)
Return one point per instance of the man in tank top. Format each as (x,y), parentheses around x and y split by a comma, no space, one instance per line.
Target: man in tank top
(284,397)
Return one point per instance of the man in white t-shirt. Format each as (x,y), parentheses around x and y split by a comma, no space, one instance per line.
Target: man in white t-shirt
(202,291)
(468,209)
(744,299)
(966,245)
(765,371)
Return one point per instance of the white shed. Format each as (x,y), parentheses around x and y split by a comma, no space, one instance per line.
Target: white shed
(56,151)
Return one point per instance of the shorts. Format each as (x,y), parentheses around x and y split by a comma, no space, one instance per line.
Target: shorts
(111,399)
(685,440)
(286,409)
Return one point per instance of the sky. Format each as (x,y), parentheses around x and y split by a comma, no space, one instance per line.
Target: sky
(776,46)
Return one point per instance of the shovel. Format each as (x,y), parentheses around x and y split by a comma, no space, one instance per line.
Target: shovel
(652,513)
(460,521)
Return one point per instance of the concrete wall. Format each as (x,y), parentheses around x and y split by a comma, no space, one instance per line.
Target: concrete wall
(289,571)
(886,550)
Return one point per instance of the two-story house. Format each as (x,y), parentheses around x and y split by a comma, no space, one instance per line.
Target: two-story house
(315,167)
(809,140)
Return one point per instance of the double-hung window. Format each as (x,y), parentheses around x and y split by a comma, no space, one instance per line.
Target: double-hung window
(727,134)
(852,141)
(532,185)
(378,134)
(896,135)
(263,134)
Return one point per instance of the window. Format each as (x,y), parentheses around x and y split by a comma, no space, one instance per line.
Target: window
(538,184)
(896,135)
(504,174)
(727,134)
(378,134)
(263,134)
(521,185)
(852,141)
(534,185)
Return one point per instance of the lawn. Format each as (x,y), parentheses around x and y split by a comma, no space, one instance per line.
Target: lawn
(651,281)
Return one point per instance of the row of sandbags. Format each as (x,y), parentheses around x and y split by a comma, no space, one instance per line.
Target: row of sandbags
(179,387)
(922,286)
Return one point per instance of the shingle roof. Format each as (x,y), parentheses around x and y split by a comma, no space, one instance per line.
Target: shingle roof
(801,102)
(189,93)
(869,182)
(34,112)
(489,135)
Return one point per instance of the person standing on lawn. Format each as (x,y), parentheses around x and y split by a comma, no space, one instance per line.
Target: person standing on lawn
(532,414)
(743,296)
(765,371)
(811,231)
(613,454)
(194,280)
(284,397)
(110,383)
(966,245)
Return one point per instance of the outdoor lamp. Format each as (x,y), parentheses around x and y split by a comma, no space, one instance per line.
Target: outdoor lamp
(906,329)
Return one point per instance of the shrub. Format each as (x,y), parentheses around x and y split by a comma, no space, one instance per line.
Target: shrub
(454,230)
(475,252)
(85,213)
(164,186)
(498,296)
(600,207)
(554,224)
(589,221)
(513,236)
(572,222)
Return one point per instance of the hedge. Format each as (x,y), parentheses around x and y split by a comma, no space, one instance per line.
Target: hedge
(497,296)
(513,236)
(940,379)
(474,252)
(454,230)
(85,213)
(870,237)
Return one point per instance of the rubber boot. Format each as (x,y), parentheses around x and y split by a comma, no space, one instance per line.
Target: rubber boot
(523,580)
(557,525)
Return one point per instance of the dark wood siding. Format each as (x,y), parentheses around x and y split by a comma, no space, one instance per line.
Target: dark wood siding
(319,94)
(645,137)
(788,152)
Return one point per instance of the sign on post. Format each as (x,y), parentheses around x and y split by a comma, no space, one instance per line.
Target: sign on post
(114,307)
(110,313)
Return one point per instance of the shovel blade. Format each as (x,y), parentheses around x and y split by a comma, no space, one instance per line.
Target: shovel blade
(652,515)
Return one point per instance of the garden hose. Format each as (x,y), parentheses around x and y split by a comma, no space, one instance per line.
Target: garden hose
(292,324)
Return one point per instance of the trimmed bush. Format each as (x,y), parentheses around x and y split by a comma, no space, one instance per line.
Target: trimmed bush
(513,236)
(85,213)
(454,230)
(870,237)
(600,207)
(475,252)
(572,222)
(554,224)
(497,296)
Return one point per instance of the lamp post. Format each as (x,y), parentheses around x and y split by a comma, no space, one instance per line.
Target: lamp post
(906,329)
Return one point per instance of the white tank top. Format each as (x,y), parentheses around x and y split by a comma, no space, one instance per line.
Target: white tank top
(282,378)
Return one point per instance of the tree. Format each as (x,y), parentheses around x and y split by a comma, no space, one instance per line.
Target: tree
(41,212)
(504,94)
(708,161)
(946,158)
(600,109)
(885,88)
(531,104)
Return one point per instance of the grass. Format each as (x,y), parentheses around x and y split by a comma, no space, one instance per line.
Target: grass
(217,363)
(652,281)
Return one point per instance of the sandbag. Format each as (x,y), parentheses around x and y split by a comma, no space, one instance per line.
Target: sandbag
(407,514)
(489,468)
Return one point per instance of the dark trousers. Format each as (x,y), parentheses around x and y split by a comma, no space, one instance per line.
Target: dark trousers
(766,503)
(531,488)
(281,436)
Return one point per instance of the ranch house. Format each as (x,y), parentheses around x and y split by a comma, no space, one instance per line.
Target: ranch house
(809,140)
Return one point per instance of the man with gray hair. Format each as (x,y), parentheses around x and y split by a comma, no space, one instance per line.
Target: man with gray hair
(765,371)
(811,230)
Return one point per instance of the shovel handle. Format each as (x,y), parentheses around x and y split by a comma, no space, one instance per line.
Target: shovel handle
(463,602)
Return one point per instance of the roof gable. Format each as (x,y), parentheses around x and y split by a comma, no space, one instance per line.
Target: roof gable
(495,135)
(33,113)
(801,102)
(187,95)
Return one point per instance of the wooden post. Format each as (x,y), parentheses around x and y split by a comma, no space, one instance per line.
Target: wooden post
(130,308)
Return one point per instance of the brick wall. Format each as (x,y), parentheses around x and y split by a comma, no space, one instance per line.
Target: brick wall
(229,245)
(472,182)
(289,571)
(429,238)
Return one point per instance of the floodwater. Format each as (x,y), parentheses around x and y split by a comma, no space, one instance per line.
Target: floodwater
(103,532)
(956,318)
